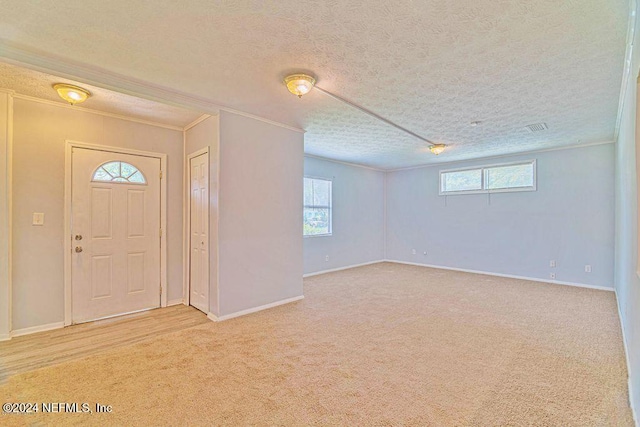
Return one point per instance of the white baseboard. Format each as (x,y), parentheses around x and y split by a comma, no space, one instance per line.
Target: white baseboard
(626,356)
(174,302)
(215,318)
(34,329)
(510,276)
(316,273)
(5,337)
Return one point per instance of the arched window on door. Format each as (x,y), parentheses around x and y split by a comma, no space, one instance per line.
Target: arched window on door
(119,172)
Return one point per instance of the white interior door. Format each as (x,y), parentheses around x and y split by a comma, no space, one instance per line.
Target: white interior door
(115,210)
(199,239)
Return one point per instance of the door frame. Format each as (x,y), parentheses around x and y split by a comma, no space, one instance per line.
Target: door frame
(68,243)
(187,290)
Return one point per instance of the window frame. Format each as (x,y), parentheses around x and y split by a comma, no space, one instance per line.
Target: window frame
(483,179)
(112,181)
(330,207)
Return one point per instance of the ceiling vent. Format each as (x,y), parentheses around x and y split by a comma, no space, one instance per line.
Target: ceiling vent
(537,127)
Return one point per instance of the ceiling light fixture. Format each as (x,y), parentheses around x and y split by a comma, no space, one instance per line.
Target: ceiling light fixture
(437,148)
(300,84)
(72,94)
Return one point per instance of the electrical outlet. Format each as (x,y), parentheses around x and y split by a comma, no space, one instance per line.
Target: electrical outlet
(552,263)
(425,253)
(552,275)
(413,251)
(326,257)
(587,268)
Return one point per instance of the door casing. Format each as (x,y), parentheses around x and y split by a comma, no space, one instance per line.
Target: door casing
(68,244)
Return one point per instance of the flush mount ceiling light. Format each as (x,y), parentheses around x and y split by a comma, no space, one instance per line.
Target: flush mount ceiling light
(437,148)
(72,94)
(299,84)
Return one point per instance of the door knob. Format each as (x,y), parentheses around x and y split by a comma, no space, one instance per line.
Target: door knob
(78,249)
(78,236)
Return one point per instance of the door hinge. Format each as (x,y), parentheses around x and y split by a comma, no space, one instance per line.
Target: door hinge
(161,232)
(160,174)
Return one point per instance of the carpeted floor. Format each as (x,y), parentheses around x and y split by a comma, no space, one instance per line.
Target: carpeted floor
(385,344)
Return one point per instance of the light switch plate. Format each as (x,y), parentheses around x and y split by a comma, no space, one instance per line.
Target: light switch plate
(38,218)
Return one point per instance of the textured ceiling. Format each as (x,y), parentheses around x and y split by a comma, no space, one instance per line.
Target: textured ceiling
(432,66)
(39,85)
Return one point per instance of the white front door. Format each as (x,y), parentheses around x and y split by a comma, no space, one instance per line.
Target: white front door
(199,208)
(115,212)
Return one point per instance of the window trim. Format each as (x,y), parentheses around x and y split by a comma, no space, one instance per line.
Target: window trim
(330,233)
(112,181)
(483,169)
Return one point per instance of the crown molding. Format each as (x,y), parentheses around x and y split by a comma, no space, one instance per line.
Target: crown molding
(357,165)
(501,156)
(47,63)
(98,112)
(50,64)
(261,119)
(200,119)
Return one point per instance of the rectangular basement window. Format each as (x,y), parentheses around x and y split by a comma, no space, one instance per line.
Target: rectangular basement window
(518,176)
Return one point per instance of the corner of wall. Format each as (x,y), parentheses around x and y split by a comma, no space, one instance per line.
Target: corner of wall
(626,281)
(6,160)
(384,215)
(259,261)
(200,136)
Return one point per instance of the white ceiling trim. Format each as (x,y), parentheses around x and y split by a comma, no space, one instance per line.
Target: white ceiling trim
(47,63)
(624,85)
(262,119)
(98,112)
(501,156)
(312,156)
(200,119)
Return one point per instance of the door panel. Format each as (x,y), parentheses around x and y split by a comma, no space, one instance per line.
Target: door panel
(135,272)
(101,213)
(199,239)
(115,204)
(135,213)
(101,276)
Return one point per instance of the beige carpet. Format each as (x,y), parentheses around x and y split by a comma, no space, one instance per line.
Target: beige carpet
(386,344)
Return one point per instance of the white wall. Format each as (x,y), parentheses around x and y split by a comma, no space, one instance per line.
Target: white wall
(358,217)
(6,123)
(40,131)
(627,281)
(260,218)
(568,219)
(207,134)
